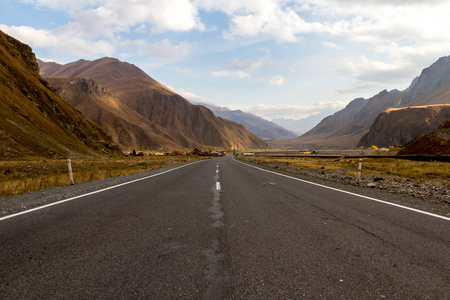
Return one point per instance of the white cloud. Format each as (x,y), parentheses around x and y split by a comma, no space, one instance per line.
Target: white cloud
(294,112)
(108,18)
(291,70)
(191,96)
(72,43)
(141,29)
(237,74)
(383,21)
(280,25)
(163,49)
(64,5)
(245,65)
(269,19)
(236,6)
(60,41)
(277,80)
(331,45)
(398,38)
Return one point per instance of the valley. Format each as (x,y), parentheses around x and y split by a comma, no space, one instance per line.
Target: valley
(131,111)
(224,149)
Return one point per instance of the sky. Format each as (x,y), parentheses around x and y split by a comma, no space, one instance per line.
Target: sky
(276,59)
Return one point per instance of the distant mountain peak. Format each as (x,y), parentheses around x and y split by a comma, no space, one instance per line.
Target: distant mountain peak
(264,129)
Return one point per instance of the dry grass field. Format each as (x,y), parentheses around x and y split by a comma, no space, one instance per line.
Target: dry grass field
(18,177)
(423,170)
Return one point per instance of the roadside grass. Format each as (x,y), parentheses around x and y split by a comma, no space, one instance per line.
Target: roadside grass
(423,170)
(23,176)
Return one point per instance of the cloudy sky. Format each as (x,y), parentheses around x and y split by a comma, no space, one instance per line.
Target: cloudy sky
(276,59)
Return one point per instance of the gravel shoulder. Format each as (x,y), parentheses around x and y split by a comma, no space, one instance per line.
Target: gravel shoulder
(433,197)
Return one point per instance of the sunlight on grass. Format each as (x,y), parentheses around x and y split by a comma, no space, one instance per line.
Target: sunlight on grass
(18,177)
(424,170)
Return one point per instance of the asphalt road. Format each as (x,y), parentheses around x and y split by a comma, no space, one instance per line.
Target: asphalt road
(220,229)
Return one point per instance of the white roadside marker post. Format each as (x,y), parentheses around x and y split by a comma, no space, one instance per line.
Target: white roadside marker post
(359,169)
(69,165)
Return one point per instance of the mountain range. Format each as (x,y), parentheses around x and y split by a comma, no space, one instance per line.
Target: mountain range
(137,111)
(91,108)
(264,129)
(34,120)
(354,125)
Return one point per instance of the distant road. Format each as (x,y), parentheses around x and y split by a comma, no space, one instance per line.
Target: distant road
(221,229)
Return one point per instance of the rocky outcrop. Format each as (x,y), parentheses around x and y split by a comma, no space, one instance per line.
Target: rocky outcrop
(399,126)
(34,119)
(433,144)
(20,52)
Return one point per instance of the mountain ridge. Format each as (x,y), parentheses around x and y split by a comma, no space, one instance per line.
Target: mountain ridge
(198,126)
(345,129)
(262,128)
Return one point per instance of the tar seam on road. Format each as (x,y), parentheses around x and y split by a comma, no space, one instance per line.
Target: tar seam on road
(350,193)
(216,275)
(94,192)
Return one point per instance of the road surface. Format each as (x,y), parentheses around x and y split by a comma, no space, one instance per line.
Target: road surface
(221,229)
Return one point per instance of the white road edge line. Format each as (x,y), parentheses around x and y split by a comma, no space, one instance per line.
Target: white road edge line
(350,193)
(92,193)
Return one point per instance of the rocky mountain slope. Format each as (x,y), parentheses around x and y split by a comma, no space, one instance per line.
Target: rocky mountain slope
(190,125)
(437,143)
(264,129)
(345,128)
(398,126)
(34,120)
(124,125)
(430,80)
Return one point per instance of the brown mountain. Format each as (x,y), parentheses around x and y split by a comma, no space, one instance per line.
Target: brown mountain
(437,143)
(439,96)
(124,125)
(345,128)
(398,126)
(34,119)
(155,102)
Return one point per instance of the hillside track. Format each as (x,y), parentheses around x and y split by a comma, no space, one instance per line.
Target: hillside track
(221,229)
